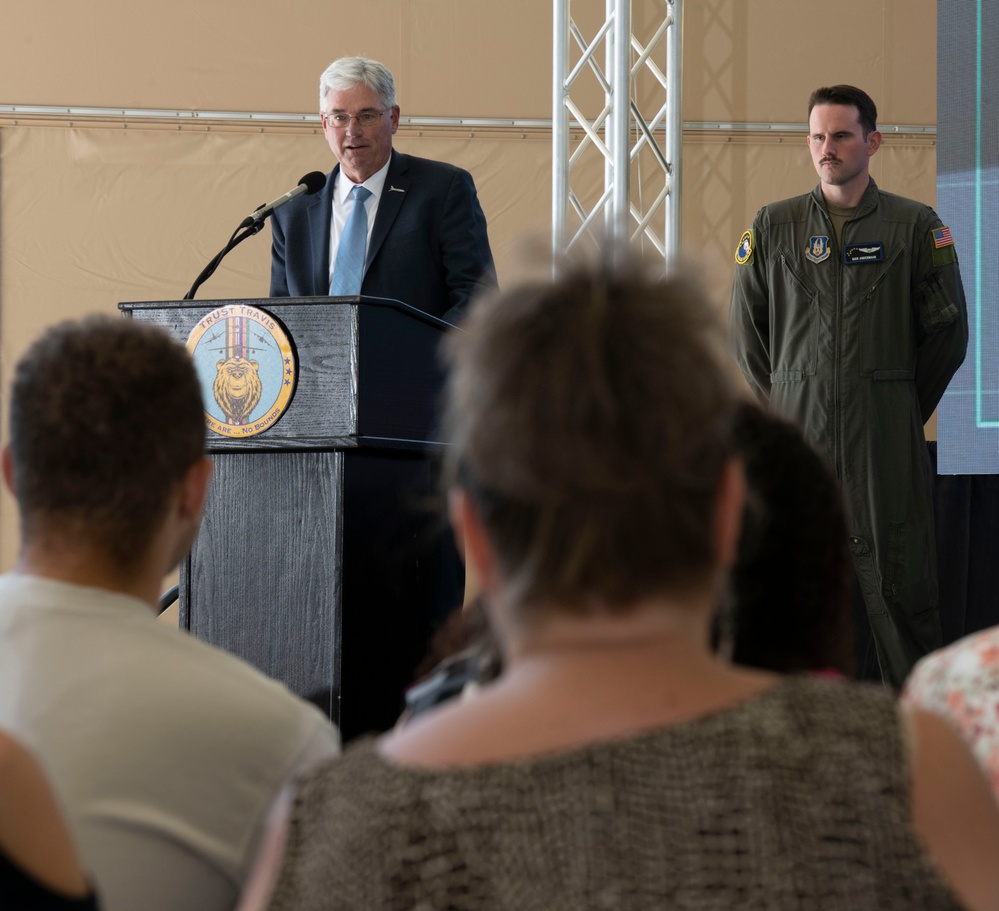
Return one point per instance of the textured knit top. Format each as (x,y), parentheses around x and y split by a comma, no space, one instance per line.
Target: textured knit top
(795,799)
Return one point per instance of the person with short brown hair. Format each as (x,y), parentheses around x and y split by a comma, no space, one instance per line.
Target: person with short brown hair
(165,753)
(848,317)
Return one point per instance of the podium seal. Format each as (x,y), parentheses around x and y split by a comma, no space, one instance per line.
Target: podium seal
(247,369)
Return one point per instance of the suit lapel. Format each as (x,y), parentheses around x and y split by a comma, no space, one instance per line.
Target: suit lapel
(397,185)
(320,212)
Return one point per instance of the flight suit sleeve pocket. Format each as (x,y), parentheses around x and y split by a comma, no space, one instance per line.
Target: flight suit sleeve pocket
(936,309)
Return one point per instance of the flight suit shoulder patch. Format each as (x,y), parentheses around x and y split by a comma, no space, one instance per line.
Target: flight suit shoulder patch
(944,251)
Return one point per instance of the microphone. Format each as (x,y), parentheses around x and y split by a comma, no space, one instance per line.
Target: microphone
(311,183)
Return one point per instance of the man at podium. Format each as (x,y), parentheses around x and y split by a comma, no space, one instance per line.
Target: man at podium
(385,224)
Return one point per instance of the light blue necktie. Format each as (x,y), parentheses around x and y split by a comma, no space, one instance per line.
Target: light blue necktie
(349,269)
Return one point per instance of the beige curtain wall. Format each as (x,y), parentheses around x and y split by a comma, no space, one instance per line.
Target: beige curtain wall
(101,208)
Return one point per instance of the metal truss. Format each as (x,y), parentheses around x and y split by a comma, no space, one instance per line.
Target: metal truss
(635,135)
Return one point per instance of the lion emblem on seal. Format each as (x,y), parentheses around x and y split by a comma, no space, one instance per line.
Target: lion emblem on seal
(237,388)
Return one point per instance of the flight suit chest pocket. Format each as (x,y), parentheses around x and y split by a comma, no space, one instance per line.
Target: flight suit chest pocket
(887,331)
(794,322)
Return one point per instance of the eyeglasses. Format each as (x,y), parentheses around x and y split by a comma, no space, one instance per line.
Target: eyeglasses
(340,121)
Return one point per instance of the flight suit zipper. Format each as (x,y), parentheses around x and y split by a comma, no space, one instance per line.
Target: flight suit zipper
(837,431)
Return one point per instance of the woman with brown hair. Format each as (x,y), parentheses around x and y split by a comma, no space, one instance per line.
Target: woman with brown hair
(617,761)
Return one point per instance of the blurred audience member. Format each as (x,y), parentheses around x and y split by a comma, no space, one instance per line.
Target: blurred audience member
(961,683)
(789,606)
(463,656)
(165,753)
(617,761)
(39,869)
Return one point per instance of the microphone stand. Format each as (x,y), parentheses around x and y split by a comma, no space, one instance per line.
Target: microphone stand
(238,236)
(309,184)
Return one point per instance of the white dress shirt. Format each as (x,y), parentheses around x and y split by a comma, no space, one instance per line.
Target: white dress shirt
(343,203)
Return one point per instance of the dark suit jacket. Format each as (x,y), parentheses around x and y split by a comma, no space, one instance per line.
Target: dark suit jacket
(429,246)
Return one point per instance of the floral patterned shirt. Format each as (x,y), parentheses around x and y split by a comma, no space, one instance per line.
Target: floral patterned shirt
(961,683)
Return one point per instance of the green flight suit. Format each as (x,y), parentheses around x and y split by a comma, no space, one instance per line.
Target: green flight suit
(856,342)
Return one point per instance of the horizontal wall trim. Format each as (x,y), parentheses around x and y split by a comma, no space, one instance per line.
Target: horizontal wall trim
(723,127)
(244,117)
(258,118)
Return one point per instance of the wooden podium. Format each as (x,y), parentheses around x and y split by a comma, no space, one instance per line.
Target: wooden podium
(323,558)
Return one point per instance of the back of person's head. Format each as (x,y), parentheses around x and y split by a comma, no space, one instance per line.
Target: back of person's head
(790,587)
(347,72)
(106,418)
(588,419)
(850,96)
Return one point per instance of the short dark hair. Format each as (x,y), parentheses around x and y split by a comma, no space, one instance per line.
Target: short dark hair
(588,420)
(106,417)
(791,604)
(851,96)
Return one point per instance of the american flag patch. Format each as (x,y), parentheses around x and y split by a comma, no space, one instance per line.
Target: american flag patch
(942,238)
